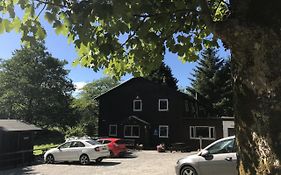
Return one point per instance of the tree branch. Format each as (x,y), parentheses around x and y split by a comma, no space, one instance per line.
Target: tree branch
(40,12)
(206,14)
(164,13)
(51,3)
(131,35)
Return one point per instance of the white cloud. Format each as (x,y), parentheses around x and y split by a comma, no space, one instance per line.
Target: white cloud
(78,88)
(79,85)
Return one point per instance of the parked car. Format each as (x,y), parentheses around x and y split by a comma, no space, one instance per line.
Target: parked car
(116,146)
(218,158)
(82,150)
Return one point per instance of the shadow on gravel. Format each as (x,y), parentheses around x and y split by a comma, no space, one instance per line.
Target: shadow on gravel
(128,156)
(111,163)
(19,171)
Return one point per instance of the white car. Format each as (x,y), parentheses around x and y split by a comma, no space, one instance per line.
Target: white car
(219,158)
(82,150)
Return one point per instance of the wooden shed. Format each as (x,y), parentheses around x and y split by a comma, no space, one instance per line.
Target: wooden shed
(16,143)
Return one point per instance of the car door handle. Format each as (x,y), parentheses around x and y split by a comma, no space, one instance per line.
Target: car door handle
(228,159)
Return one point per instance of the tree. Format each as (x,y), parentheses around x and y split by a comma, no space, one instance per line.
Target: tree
(249,28)
(212,81)
(87,107)
(34,87)
(163,75)
(225,86)
(206,73)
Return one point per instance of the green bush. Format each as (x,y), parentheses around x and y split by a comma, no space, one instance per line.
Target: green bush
(77,131)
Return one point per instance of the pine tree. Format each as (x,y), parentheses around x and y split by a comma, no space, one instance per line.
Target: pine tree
(209,81)
(225,87)
(163,75)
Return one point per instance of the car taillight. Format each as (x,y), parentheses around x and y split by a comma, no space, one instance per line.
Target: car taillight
(97,149)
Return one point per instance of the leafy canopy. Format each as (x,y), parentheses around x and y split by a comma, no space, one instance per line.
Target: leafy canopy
(119,35)
(34,87)
(87,107)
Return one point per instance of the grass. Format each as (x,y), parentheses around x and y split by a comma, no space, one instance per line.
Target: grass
(40,149)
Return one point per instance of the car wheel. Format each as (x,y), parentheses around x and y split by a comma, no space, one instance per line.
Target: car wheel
(50,159)
(111,154)
(188,170)
(98,160)
(84,159)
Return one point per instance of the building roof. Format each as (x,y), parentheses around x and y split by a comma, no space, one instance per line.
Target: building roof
(16,125)
(133,80)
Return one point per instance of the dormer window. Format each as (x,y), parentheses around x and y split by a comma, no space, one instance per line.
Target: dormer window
(163,105)
(137,105)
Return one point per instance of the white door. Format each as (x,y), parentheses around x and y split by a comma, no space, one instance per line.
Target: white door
(62,153)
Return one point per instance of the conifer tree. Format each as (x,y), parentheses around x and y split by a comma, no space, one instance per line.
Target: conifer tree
(208,79)
(163,75)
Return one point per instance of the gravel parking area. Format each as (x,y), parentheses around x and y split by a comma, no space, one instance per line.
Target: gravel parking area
(141,162)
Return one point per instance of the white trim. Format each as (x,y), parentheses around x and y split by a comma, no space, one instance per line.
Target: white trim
(131,136)
(110,130)
(192,129)
(163,100)
(167,128)
(134,105)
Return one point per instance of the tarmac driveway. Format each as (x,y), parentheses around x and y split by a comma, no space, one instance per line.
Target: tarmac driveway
(142,162)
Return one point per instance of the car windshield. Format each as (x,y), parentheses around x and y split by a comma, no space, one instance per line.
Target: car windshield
(93,142)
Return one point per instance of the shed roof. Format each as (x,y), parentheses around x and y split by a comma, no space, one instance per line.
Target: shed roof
(16,125)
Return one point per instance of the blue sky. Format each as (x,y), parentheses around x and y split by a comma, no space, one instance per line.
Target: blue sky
(58,46)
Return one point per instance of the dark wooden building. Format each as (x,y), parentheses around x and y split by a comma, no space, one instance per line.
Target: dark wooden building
(151,114)
(16,143)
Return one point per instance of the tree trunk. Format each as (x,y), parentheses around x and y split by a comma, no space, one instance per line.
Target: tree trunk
(256,54)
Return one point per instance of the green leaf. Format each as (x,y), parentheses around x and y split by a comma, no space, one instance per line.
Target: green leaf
(16,24)
(7,25)
(2,27)
(11,11)
(50,17)
(76,62)
(60,28)
(41,33)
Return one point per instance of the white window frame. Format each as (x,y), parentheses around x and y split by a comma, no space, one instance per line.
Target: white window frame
(167,128)
(131,136)
(212,131)
(134,105)
(159,106)
(110,130)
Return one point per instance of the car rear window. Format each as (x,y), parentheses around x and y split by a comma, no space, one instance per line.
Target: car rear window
(93,142)
(120,142)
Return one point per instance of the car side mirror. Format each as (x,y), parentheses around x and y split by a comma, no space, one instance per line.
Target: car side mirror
(206,155)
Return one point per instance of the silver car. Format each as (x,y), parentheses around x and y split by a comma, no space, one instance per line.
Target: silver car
(82,150)
(218,158)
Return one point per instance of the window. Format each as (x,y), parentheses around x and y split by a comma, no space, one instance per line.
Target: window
(163,105)
(205,132)
(137,105)
(106,141)
(65,145)
(112,130)
(93,142)
(132,131)
(76,144)
(163,131)
(225,146)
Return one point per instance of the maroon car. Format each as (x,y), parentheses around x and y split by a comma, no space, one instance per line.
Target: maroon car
(116,146)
